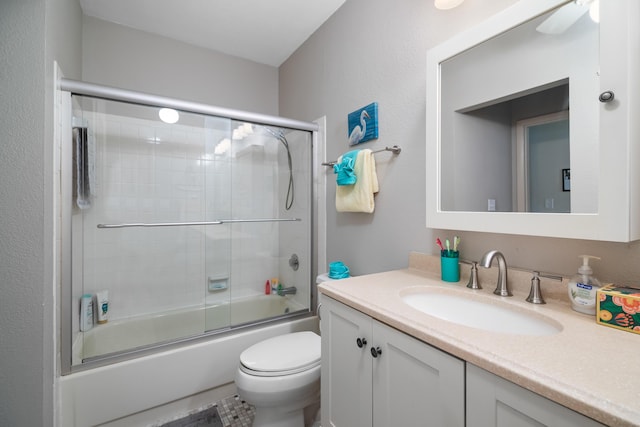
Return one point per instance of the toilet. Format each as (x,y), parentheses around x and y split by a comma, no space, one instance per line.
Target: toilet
(280,377)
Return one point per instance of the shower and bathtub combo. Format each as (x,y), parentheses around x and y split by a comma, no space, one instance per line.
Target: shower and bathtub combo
(194,239)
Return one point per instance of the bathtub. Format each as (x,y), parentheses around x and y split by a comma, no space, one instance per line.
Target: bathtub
(119,390)
(125,334)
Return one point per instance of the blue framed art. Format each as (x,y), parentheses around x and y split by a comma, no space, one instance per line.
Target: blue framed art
(363,124)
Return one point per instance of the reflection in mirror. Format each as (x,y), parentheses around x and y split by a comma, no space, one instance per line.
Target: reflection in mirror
(542,163)
(510,109)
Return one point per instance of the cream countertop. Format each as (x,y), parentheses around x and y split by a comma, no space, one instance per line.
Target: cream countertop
(587,367)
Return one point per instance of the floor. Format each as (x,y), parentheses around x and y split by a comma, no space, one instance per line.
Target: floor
(235,412)
(229,412)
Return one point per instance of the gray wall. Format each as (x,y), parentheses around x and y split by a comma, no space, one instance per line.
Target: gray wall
(32,34)
(115,55)
(382,57)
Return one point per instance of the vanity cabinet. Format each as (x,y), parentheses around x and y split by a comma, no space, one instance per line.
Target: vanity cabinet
(494,401)
(374,375)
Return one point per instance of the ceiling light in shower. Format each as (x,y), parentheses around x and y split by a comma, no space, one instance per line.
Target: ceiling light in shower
(168,115)
(447,4)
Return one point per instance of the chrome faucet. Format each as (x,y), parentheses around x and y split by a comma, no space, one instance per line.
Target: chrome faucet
(291,290)
(502,287)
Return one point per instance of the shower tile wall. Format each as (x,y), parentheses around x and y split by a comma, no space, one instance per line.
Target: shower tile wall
(258,242)
(297,239)
(148,172)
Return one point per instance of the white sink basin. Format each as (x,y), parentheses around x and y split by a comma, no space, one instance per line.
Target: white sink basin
(477,314)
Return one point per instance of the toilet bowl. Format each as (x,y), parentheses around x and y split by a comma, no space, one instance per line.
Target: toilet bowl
(280,377)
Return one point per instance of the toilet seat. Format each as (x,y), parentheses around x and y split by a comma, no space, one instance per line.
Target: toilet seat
(282,355)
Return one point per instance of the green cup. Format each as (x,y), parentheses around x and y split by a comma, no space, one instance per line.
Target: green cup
(449,266)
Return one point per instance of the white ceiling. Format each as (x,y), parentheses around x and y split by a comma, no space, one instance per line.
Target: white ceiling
(264,31)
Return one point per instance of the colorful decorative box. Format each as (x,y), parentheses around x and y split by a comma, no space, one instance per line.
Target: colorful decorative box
(619,307)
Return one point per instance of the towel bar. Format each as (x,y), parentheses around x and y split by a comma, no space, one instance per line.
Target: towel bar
(395,150)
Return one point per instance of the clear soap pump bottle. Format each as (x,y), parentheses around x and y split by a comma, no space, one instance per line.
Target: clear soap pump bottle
(583,287)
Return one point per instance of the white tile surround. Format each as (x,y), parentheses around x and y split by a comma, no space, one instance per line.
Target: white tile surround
(151,172)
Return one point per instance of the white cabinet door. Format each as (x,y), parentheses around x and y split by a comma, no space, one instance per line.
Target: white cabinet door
(346,391)
(493,401)
(408,383)
(415,384)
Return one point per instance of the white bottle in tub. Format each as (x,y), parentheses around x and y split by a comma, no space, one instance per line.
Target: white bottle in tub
(86,312)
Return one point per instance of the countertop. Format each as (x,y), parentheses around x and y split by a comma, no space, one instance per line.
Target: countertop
(587,367)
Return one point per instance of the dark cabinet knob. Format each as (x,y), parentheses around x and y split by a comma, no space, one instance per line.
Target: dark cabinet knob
(607,96)
(361,342)
(376,351)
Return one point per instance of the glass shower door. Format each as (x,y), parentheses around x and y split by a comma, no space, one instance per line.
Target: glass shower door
(270,178)
(146,178)
(184,226)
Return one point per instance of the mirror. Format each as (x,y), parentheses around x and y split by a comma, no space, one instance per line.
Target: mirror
(510,68)
(512,114)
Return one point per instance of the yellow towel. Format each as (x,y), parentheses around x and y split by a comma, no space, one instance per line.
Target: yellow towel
(359,196)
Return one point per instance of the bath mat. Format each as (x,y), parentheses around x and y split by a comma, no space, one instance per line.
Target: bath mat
(231,411)
(206,418)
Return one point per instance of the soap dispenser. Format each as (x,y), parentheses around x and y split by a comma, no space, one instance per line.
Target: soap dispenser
(583,287)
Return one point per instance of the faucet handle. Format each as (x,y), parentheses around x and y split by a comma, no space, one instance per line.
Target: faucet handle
(535,293)
(473,283)
(549,276)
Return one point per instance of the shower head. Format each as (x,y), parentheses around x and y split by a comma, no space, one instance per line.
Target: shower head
(278,133)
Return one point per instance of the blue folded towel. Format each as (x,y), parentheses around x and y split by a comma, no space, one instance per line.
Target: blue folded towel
(344,168)
(338,270)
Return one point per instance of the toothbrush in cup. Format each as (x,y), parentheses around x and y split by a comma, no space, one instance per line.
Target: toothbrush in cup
(456,242)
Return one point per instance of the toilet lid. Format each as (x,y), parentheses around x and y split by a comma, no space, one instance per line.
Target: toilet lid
(282,355)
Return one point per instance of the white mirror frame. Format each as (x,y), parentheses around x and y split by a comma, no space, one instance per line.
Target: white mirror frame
(618,215)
